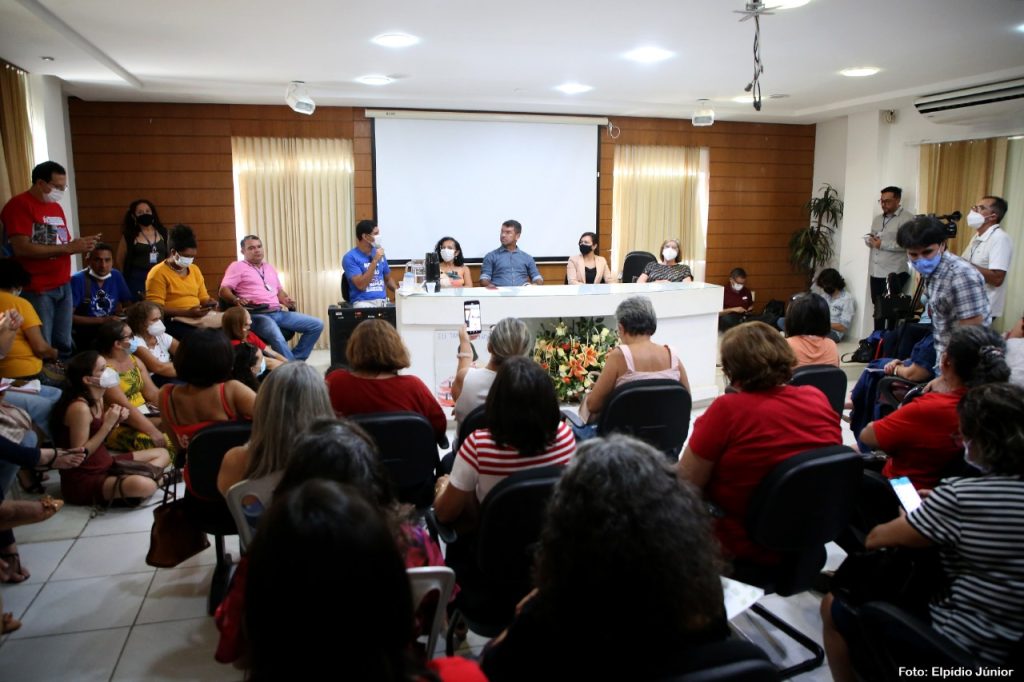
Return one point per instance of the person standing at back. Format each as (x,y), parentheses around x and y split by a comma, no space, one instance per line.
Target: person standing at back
(886,255)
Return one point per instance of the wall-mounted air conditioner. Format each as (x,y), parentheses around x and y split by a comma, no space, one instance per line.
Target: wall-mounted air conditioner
(1003,100)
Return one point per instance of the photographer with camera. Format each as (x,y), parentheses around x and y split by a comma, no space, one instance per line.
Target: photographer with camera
(886,255)
(991,249)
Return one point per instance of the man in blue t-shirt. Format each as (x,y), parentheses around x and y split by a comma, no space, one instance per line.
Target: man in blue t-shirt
(98,294)
(366,269)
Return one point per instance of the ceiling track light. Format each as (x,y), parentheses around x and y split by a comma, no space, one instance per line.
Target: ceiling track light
(296,96)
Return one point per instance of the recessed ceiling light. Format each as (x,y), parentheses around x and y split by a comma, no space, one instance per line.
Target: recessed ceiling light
(787,4)
(373,80)
(780,95)
(860,71)
(743,99)
(395,40)
(573,88)
(648,54)
(1016,137)
(1021,28)
(47,59)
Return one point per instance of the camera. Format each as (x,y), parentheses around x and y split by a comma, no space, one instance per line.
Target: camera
(948,222)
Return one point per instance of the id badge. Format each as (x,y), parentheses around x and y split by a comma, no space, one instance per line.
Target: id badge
(152,257)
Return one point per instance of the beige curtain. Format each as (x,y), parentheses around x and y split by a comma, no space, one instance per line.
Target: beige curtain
(297,195)
(1013,223)
(660,193)
(15,133)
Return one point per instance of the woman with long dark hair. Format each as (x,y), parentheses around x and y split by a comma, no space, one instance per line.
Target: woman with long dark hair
(143,244)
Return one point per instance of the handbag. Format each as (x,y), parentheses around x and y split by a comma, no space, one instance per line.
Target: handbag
(910,578)
(174,536)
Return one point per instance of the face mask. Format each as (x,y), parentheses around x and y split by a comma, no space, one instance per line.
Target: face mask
(735,286)
(926,266)
(144,219)
(447,255)
(109,378)
(975,220)
(16,291)
(185,261)
(977,465)
(99,277)
(263,367)
(157,328)
(585,249)
(54,195)
(133,345)
(669,254)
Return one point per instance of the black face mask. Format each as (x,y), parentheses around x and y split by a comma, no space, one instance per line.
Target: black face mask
(146,219)
(829,290)
(585,249)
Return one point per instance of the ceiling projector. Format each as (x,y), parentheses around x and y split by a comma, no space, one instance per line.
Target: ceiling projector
(703,117)
(298,99)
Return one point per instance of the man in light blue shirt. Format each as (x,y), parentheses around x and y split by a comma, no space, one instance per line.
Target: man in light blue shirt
(509,266)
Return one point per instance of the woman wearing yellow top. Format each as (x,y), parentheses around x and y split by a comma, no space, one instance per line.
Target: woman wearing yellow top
(178,285)
(25,358)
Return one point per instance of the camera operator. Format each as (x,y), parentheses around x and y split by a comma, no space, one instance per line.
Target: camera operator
(991,249)
(886,254)
(955,289)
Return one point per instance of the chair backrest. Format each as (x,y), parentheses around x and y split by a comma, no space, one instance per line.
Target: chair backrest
(657,411)
(728,660)
(634,263)
(344,287)
(427,579)
(476,419)
(247,500)
(828,379)
(511,519)
(408,450)
(206,452)
(897,639)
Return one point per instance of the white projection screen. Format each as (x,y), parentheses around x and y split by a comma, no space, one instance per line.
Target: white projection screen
(463,178)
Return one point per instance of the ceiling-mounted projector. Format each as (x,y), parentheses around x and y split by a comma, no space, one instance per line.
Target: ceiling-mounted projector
(298,99)
(704,116)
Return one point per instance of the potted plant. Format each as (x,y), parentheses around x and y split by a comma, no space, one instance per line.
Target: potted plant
(811,247)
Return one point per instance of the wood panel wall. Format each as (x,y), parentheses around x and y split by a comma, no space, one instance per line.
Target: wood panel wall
(179,157)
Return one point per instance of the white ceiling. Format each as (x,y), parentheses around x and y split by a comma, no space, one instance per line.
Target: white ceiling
(508,56)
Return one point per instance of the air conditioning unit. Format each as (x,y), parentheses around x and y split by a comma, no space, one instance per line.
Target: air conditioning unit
(1001,101)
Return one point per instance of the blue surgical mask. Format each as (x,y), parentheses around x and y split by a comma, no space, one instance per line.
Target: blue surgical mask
(133,345)
(263,367)
(926,266)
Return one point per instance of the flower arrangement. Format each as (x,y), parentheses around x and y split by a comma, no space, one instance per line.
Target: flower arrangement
(573,353)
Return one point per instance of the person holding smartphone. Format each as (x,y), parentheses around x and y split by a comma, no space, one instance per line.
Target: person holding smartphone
(178,285)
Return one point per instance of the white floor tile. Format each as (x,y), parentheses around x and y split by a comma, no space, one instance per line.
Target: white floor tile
(87,604)
(179,650)
(177,594)
(208,556)
(66,524)
(105,555)
(82,656)
(114,521)
(42,558)
(18,597)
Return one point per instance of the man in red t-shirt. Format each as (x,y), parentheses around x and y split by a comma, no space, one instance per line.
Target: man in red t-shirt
(37,234)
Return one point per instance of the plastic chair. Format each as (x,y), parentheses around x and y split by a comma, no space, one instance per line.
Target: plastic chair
(804,503)
(408,450)
(634,263)
(247,500)
(828,379)
(424,580)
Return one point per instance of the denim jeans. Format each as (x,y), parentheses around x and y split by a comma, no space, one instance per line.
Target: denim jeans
(38,405)
(268,327)
(9,471)
(54,309)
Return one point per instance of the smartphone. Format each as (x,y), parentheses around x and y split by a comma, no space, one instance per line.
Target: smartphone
(471,312)
(906,492)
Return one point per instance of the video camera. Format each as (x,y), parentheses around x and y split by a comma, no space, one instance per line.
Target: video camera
(948,221)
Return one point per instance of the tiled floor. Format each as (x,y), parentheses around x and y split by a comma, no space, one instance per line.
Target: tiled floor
(93,609)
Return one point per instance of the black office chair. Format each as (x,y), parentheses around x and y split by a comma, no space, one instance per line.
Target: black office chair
(731,660)
(204,501)
(877,503)
(634,263)
(804,503)
(494,563)
(345,289)
(408,450)
(894,391)
(828,379)
(476,419)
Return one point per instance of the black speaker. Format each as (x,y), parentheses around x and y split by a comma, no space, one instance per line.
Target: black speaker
(344,320)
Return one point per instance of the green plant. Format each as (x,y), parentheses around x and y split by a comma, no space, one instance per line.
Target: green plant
(573,354)
(811,247)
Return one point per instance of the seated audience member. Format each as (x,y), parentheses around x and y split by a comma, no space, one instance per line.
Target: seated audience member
(841,304)
(177,285)
(669,269)
(143,245)
(973,522)
(249,366)
(84,419)
(636,358)
(454,271)
(588,267)
(743,435)
(300,567)
(367,269)
(156,347)
(289,401)
(36,405)
(916,437)
(807,331)
(917,369)
(98,294)
(28,351)
(209,395)
(618,515)
(738,301)
(376,354)
(509,338)
(1015,352)
(237,323)
(524,431)
(135,391)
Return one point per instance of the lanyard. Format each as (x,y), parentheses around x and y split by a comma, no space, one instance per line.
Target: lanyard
(259,271)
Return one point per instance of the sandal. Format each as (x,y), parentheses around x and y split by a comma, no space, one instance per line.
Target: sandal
(60,455)
(8,623)
(14,569)
(31,481)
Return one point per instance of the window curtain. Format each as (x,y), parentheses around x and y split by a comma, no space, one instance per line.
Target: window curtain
(297,195)
(15,133)
(1013,223)
(660,193)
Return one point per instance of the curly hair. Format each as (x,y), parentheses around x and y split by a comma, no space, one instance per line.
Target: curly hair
(620,516)
(992,421)
(375,346)
(130,225)
(459,260)
(755,357)
(137,316)
(977,355)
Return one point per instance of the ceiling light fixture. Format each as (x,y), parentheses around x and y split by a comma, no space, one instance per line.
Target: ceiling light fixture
(296,96)
(860,71)
(788,4)
(704,115)
(573,88)
(648,54)
(1016,137)
(374,80)
(47,59)
(743,99)
(1021,28)
(395,40)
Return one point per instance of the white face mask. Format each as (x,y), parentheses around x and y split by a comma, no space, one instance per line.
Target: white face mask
(447,255)
(669,254)
(185,261)
(735,286)
(54,195)
(109,378)
(975,220)
(99,277)
(263,367)
(156,328)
